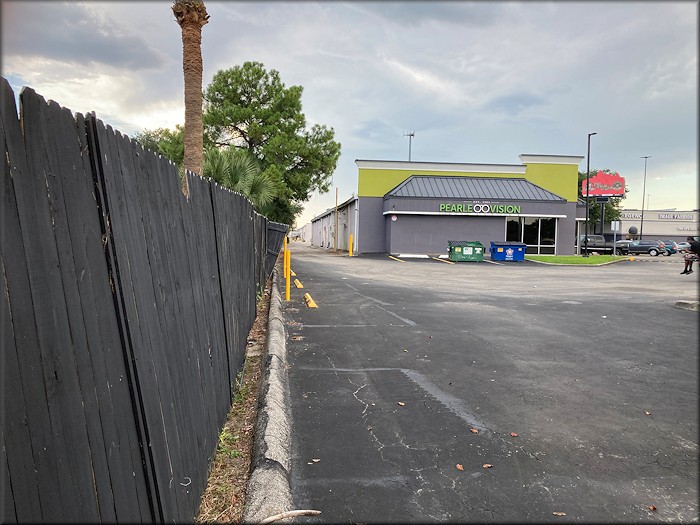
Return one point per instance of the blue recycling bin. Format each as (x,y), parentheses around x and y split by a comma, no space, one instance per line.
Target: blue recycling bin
(508,251)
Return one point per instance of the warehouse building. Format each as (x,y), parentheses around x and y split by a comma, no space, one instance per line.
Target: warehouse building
(415,208)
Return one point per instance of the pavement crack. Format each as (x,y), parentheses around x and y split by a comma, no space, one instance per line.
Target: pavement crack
(354,394)
(376,439)
(331,362)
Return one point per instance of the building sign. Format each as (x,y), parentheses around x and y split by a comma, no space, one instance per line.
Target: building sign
(666,216)
(480,208)
(677,216)
(604,185)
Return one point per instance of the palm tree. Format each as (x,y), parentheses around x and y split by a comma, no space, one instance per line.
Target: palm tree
(191,15)
(237,170)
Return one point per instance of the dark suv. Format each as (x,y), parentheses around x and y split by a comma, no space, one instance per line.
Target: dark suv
(653,248)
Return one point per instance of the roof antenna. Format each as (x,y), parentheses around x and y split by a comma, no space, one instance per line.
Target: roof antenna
(410,136)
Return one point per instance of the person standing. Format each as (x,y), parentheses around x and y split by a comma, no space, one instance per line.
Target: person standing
(691,255)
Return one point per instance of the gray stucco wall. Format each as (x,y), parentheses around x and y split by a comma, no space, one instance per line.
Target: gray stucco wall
(371,225)
(428,234)
(566,234)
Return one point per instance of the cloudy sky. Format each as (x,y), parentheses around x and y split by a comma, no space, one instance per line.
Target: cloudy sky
(476,81)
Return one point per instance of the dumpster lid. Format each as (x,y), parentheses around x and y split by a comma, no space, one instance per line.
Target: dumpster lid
(462,243)
(507,243)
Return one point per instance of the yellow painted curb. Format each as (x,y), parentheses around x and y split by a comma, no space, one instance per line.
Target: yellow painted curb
(392,257)
(442,260)
(298,284)
(309,301)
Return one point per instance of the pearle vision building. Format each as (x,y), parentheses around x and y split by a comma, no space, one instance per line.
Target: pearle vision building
(415,208)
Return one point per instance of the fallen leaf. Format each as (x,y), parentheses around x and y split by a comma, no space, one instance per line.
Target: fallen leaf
(315,460)
(647,413)
(651,507)
(474,431)
(487,465)
(559,513)
(513,434)
(459,467)
(401,403)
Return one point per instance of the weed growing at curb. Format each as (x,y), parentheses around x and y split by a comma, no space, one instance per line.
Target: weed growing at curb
(224,498)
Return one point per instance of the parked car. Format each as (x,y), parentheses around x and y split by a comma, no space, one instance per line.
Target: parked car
(670,247)
(653,248)
(683,246)
(596,243)
(622,247)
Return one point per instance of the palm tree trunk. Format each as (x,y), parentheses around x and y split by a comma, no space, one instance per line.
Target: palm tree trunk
(191,16)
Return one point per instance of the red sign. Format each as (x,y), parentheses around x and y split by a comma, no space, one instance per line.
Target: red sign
(604,185)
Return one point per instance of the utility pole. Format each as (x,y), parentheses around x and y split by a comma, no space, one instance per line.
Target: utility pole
(644,189)
(410,136)
(588,189)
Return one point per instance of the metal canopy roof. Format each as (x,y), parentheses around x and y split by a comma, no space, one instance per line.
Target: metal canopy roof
(455,187)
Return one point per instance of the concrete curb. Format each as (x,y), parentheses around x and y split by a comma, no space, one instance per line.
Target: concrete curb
(579,265)
(693,306)
(269,492)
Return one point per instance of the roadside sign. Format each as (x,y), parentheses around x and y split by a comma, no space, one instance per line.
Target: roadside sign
(603,184)
(615,226)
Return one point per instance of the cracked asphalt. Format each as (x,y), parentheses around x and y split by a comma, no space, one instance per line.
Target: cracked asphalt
(407,370)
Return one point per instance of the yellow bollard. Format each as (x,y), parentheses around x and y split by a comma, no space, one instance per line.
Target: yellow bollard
(350,247)
(284,257)
(288,258)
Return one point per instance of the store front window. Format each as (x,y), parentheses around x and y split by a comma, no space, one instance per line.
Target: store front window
(538,233)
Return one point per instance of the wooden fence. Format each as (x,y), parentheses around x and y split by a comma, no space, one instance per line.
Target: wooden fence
(125,312)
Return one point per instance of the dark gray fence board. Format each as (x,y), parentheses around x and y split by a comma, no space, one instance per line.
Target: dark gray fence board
(42,270)
(141,443)
(153,413)
(9,514)
(61,161)
(104,356)
(20,362)
(158,397)
(16,440)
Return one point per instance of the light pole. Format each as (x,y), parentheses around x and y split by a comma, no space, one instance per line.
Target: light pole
(644,189)
(588,172)
(410,136)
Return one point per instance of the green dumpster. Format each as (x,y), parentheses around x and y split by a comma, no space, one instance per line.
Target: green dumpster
(465,251)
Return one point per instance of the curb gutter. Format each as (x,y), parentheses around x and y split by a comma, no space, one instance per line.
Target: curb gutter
(269,492)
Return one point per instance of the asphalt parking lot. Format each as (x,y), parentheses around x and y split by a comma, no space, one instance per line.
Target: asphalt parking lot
(423,391)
